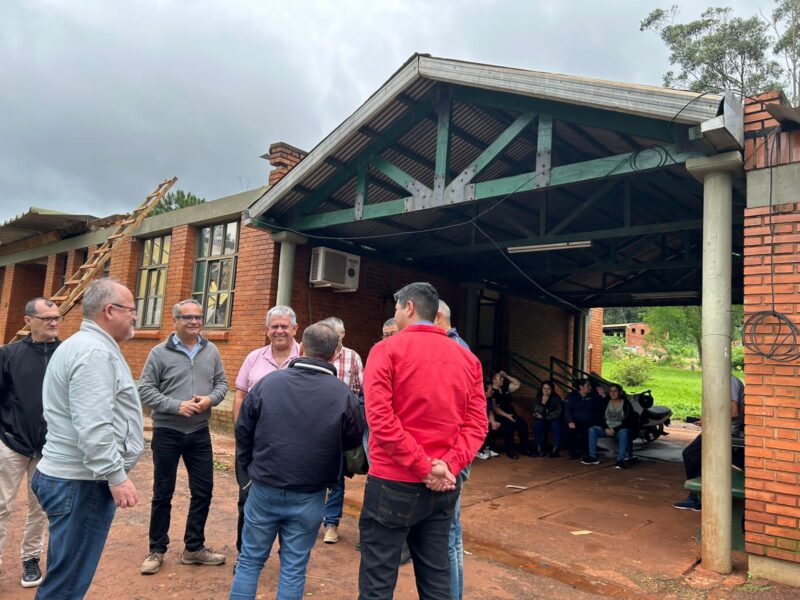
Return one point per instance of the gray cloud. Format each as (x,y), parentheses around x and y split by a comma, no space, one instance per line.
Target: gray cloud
(102,99)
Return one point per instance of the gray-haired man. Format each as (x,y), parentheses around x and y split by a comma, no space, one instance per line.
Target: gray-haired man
(94,438)
(181,380)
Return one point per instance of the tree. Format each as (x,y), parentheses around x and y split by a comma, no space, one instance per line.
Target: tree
(621,314)
(175,200)
(684,324)
(717,51)
(785,22)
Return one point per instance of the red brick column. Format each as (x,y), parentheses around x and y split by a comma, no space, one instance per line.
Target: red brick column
(125,262)
(21,282)
(772,402)
(55,268)
(180,271)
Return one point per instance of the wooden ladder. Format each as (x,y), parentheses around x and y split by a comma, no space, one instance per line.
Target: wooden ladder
(73,288)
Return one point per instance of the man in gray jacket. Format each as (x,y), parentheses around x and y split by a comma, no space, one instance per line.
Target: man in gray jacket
(181,380)
(94,438)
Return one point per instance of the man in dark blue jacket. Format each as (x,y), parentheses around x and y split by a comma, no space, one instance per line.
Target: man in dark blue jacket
(291,432)
(582,411)
(22,426)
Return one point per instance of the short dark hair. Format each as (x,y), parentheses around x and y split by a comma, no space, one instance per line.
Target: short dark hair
(320,341)
(30,306)
(581,382)
(423,295)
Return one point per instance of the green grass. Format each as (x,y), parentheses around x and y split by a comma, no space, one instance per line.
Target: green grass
(679,389)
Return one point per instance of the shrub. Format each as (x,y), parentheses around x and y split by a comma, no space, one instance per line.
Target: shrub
(633,371)
(737,358)
(613,346)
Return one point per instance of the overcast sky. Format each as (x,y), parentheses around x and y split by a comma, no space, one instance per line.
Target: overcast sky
(101,100)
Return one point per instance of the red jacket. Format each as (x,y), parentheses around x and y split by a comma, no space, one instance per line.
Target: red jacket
(424,399)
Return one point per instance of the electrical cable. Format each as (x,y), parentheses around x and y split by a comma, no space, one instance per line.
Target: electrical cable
(785,344)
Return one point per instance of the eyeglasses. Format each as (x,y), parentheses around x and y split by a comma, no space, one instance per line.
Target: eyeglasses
(57,319)
(190,317)
(131,310)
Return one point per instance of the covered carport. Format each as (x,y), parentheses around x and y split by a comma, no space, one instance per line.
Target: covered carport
(565,190)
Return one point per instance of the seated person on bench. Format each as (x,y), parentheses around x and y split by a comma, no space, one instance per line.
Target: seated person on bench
(620,421)
(692,454)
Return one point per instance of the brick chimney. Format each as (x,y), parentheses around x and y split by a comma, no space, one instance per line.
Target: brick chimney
(283,158)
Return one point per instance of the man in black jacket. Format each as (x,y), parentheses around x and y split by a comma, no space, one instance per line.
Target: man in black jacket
(290,434)
(22,426)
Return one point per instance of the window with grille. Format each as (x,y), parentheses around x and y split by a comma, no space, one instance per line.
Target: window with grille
(215,272)
(152,284)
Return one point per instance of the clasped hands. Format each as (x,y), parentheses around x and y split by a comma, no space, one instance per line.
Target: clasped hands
(440,479)
(196,405)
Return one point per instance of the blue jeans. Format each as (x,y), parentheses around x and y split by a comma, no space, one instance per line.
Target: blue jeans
(332,512)
(540,427)
(621,436)
(268,512)
(456,545)
(80,514)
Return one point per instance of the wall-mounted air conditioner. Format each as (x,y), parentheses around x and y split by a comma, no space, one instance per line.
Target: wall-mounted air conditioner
(334,269)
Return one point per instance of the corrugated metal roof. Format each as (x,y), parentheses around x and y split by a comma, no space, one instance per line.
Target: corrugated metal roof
(37,221)
(421,72)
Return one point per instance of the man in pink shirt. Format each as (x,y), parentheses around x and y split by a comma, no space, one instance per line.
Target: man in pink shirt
(281,326)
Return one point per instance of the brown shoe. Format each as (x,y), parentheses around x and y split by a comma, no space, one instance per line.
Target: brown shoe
(204,556)
(331,534)
(152,563)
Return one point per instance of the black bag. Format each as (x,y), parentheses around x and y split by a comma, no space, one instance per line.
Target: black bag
(356,462)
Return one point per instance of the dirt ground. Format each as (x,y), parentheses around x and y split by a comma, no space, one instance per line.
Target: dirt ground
(564,531)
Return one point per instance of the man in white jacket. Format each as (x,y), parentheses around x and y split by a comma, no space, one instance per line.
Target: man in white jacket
(94,438)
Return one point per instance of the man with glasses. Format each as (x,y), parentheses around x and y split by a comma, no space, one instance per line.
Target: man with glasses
(281,327)
(182,379)
(22,426)
(94,438)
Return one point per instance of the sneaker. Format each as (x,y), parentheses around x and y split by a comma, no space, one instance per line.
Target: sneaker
(482,454)
(590,460)
(513,455)
(331,534)
(620,465)
(204,556)
(492,453)
(554,453)
(692,502)
(31,573)
(235,564)
(405,555)
(152,563)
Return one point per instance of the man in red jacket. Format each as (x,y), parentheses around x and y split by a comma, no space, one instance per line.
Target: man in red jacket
(427,418)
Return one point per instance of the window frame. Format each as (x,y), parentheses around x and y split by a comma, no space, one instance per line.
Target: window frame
(147,301)
(216,258)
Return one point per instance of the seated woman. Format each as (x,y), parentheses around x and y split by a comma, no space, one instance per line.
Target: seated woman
(620,421)
(487,451)
(547,410)
(503,385)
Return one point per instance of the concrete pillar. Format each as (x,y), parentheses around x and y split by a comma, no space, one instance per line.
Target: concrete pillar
(288,241)
(716,174)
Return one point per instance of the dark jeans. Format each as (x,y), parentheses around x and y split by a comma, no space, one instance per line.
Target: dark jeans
(80,514)
(693,455)
(508,428)
(394,512)
(243,479)
(169,446)
(579,438)
(540,429)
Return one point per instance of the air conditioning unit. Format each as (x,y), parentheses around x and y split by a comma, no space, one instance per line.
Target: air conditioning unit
(334,269)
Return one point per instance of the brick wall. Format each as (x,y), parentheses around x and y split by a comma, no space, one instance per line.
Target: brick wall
(772,409)
(283,158)
(21,282)
(594,352)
